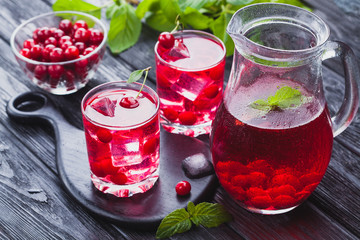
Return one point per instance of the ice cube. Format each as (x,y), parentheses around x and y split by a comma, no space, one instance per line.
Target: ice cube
(188,86)
(197,166)
(105,106)
(179,51)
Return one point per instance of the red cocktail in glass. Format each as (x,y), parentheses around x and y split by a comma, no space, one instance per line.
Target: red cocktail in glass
(190,78)
(122,134)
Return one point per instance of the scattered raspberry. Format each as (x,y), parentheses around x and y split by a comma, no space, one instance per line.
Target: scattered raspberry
(284,201)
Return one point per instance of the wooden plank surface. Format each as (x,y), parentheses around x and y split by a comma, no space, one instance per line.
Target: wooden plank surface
(34,205)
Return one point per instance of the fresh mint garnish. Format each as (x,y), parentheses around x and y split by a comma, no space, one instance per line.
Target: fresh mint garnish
(285,97)
(136,75)
(205,214)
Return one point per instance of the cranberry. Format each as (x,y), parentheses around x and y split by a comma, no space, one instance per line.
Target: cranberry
(80,24)
(65,45)
(211,91)
(35,35)
(29,43)
(58,33)
(56,55)
(119,178)
(64,39)
(46,52)
(150,146)
(166,40)
(40,72)
(129,102)
(81,46)
(187,118)
(183,188)
(170,114)
(36,52)
(81,63)
(55,71)
(43,34)
(71,53)
(65,25)
(51,40)
(104,135)
(96,36)
(25,52)
(88,50)
(70,77)
(81,35)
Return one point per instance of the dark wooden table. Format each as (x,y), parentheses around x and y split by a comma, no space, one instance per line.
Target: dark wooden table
(35,205)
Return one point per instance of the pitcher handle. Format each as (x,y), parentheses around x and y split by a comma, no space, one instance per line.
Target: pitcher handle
(342,119)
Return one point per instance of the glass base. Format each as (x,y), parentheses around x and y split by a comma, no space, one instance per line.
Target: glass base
(269,212)
(126,190)
(188,130)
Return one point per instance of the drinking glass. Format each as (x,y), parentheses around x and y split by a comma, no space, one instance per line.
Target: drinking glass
(122,131)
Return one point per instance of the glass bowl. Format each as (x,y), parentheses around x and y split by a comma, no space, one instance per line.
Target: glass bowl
(59,77)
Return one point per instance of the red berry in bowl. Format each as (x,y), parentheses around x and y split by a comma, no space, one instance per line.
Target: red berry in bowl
(56,55)
(183,188)
(81,63)
(81,35)
(65,45)
(96,36)
(51,40)
(166,40)
(65,25)
(81,46)
(46,52)
(80,24)
(71,53)
(35,35)
(129,102)
(58,33)
(40,72)
(25,52)
(55,71)
(29,43)
(64,39)
(43,34)
(36,52)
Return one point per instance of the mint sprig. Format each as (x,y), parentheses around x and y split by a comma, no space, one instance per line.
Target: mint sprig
(285,97)
(136,75)
(205,214)
(126,15)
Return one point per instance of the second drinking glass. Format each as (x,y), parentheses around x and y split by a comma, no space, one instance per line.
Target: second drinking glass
(190,78)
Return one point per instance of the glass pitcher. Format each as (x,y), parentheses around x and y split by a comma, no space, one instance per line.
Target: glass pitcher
(272,137)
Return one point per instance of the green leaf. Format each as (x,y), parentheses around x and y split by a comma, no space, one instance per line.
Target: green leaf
(218,27)
(286,97)
(159,22)
(77,5)
(170,9)
(176,222)
(135,76)
(111,10)
(261,105)
(240,2)
(183,4)
(125,28)
(210,215)
(195,19)
(147,6)
(191,208)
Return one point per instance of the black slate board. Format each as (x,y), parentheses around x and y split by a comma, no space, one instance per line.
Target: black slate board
(141,211)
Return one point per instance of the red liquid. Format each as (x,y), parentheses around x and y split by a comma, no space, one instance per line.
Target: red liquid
(190,83)
(124,148)
(275,161)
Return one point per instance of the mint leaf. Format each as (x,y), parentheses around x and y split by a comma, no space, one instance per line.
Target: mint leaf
(125,28)
(171,9)
(197,20)
(111,10)
(240,2)
(159,22)
(285,97)
(147,6)
(198,4)
(210,215)
(191,208)
(176,222)
(77,5)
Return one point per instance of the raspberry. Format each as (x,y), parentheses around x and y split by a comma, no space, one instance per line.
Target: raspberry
(166,40)
(240,180)
(187,118)
(282,190)
(104,135)
(261,202)
(261,166)
(284,179)
(310,178)
(284,201)
(257,179)
(311,187)
(183,188)
(255,191)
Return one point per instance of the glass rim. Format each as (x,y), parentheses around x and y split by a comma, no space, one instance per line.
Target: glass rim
(197,32)
(318,46)
(18,28)
(120,85)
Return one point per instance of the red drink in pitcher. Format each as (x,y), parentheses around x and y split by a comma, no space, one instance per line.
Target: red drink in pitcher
(122,137)
(272,162)
(190,78)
